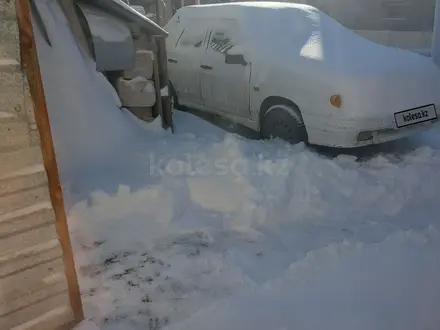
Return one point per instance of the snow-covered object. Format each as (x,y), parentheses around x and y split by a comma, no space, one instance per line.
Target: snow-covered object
(113,44)
(136,92)
(143,65)
(106,26)
(299,53)
(77,96)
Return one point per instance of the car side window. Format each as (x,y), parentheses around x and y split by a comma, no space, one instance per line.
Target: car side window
(191,38)
(221,41)
(224,36)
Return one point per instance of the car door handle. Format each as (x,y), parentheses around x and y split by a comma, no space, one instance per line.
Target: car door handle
(172,60)
(206,67)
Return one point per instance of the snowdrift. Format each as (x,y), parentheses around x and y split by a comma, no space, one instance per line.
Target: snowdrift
(374,287)
(87,123)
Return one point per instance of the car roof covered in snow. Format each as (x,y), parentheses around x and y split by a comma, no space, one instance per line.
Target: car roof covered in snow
(241,8)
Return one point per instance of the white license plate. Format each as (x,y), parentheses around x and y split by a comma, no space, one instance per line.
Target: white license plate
(415,116)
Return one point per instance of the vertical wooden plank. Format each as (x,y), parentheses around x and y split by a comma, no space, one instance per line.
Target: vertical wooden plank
(158,110)
(159,12)
(31,65)
(167,115)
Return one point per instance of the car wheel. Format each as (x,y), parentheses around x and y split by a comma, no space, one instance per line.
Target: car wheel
(284,122)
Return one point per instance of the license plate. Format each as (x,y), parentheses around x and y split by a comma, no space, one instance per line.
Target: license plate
(415,116)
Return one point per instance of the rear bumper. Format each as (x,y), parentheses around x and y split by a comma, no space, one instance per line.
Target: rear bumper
(338,133)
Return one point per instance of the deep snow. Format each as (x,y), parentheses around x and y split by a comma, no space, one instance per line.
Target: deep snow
(358,240)
(205,229)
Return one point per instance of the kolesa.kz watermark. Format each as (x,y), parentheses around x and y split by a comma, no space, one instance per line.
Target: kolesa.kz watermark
(190,165)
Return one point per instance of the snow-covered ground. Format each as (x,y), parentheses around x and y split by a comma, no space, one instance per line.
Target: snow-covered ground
(295,239)
(206,229)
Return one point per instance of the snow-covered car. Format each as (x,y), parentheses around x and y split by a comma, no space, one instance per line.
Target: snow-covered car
(289,70)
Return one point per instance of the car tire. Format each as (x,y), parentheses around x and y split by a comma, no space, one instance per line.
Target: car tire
(284,122)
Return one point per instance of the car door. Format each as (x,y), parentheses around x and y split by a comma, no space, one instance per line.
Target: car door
(225,75)
(184,64)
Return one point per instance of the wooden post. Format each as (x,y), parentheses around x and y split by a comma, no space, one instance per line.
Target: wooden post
(158,109)
(162,61)
(168,11)
(30,62)
(159,12)
(164,11)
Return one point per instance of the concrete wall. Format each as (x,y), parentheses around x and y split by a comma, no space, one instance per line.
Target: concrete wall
(33,285)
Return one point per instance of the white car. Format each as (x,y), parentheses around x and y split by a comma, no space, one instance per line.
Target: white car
(290,71)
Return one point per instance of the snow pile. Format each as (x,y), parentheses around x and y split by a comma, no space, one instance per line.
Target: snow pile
(207,229)
(274,226)
(87,123)
(373,287)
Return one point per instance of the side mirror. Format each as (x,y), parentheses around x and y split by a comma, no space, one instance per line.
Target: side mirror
(235,59)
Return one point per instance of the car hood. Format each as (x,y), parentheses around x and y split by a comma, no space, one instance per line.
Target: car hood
(372,78)
(320,57)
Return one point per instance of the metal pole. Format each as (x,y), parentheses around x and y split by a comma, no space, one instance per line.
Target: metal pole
(182,3)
